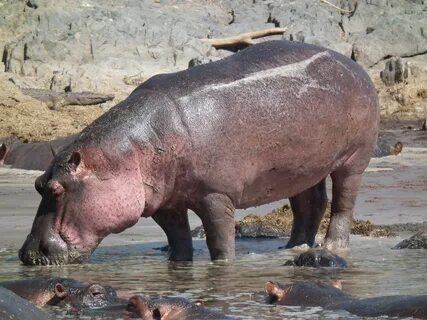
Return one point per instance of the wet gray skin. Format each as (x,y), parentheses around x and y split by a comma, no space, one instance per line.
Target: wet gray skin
(169,309)
(318,258)
(55,291)
(314,294)
(13,307)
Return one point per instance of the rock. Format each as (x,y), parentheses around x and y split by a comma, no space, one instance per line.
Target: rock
(198,232)
(417,241)
(275,224)
(395,71)
(278,223)
(317,258)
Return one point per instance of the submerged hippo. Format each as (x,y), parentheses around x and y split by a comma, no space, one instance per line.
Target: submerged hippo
(304,293)
(318,258)
(270,122)
(13,307)
(53,291)
(169,309)
(31,156)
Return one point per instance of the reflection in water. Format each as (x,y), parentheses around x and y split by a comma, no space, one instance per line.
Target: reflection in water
(235,288)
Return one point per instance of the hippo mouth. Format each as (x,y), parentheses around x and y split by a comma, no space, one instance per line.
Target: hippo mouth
(53,252)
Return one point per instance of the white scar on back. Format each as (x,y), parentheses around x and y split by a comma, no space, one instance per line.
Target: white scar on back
(295,70)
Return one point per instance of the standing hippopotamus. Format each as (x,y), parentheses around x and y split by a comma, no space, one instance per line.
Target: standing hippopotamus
(270,122)
(31,156)
(13,307)
(312,294)
(53,291)
(169,309)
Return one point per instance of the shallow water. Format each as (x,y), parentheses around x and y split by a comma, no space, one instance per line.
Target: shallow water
(394,190)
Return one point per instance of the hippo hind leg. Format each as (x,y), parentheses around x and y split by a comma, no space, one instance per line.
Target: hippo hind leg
(175,224)
(345,186)
(217,214)
(308,208)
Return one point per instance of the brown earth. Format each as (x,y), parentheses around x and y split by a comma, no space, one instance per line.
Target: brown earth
(30,120)
(278,223)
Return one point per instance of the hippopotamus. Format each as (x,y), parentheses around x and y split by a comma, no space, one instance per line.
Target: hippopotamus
(270,122)
(31,156)
(13,307)
(387,146)
(314,294)
(48,290)
(169,308)
(317,258)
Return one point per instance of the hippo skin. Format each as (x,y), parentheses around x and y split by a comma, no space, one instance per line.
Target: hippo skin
(48,290)
(13,307)
(169,308)
(270,122)
(313,294)
(31,156)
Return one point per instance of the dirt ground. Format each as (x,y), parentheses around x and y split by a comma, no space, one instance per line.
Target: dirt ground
(31,120)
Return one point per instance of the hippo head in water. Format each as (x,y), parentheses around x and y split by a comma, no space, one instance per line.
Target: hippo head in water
(304,293)
(48,290)
(168,308)
(84,198)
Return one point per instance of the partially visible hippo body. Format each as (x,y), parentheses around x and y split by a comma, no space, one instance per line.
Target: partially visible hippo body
(54,291)
(267,123)
(417,241)
(312,294)
(13,307)
(169,309)
(387,145)
(31,156)
(318,258)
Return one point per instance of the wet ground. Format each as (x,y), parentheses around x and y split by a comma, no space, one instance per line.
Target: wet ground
(394,191)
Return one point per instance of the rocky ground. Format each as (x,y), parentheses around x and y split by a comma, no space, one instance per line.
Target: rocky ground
(109,47)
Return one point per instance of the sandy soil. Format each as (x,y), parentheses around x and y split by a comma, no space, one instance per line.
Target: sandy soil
(30,120)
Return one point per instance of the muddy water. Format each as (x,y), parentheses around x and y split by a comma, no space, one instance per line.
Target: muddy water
(394,191)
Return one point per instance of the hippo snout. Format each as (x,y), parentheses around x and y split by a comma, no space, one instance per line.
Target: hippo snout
(49,249)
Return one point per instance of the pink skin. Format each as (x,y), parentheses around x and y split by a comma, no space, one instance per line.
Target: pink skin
(102,197)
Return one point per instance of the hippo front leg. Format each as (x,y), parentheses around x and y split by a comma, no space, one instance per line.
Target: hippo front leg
(175,224)
(344,191)
(308,208)
(217,214)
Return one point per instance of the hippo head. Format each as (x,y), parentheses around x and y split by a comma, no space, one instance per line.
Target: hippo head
(85,196)
(93,296)
(305,293)
(163,308)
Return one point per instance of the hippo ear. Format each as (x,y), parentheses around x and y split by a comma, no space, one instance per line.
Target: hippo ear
(137,305)
(60,291)
(3,149)
(75,160)
(40,183)
(274,291)
(337,284)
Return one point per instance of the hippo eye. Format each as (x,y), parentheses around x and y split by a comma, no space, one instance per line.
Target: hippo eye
(131,307)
